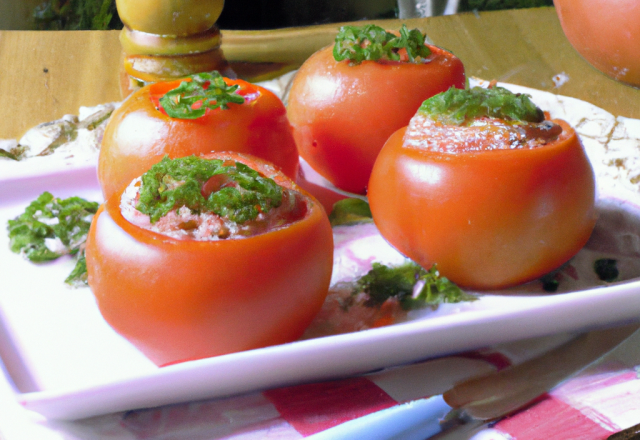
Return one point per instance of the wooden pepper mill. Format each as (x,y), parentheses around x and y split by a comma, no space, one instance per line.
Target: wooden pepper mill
(168,39)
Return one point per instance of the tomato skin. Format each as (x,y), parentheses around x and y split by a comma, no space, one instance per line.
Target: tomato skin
(342,114)
(605,33)
(138,135)
(488,219)
(179,300)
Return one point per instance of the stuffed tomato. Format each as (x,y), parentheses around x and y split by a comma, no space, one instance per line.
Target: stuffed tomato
(207,256)
(347,99)
(197,115)
(481,185)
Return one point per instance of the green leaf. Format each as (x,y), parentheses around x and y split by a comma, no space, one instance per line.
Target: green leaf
(78,276)
(51,218)
(550,282)
(383,282)
(457,106)
(174,183)
(191,99)
(350,211)
(373,43)
(437,290)
(103,16)
(76,15)
(606,269)
(48,220)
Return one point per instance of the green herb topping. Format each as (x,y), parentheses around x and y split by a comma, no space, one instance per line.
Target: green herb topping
(384,282)
(606,269)
(51,227)
(457,106)
(174,183)
(373,43)
(550,282)
(191,99)
(350,211)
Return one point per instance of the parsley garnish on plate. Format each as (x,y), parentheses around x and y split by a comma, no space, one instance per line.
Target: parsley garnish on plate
(606,269)
(383,282)
(51,227)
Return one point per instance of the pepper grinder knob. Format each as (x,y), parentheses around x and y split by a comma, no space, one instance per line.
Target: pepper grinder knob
(163,40)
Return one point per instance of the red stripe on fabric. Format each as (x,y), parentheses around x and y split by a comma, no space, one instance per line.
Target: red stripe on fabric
(594,382)
(606,380)
(498,360)
(551,419)
(315,407)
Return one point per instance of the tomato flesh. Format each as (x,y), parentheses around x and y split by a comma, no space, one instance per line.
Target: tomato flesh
(482,134)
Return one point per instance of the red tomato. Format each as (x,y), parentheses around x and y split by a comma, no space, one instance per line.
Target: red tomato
(139,135)
(179,300)
(605,33)
(488,219)
(342,114)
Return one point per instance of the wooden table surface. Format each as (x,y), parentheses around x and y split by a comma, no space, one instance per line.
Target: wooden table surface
(44,75)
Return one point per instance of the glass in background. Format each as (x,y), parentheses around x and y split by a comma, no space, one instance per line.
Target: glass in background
(426,8)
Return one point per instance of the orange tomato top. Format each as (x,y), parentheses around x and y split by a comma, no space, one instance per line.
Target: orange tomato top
(139,134)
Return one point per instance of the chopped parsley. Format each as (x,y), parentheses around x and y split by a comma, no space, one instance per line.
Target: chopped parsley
(191,99)
(550,282)
(78,276)
(383,282)
(606,269)
(457,106)
(51,227)
(373,43)
(350,211)
(174,183)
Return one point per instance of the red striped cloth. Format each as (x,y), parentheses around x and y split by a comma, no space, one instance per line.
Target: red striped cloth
(602,400)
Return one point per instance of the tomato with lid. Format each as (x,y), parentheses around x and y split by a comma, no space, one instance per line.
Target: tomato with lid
(347,99)
(196,115)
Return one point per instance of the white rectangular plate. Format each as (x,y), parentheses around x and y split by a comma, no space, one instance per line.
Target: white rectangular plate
(67,363)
